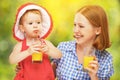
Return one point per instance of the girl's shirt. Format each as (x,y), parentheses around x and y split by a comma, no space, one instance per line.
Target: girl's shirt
(34,71)
(68,67)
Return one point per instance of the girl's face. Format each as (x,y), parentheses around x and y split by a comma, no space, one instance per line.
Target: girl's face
(32,25)
(84,32)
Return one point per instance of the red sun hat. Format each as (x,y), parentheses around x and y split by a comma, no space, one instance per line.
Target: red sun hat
(46,21)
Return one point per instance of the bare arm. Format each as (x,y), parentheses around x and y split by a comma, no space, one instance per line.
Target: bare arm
(16,55)
(52,50)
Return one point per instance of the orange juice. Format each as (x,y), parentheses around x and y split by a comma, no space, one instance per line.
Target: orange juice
(37,57)
(86,61)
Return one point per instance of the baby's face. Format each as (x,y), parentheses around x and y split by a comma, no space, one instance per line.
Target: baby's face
(32,24)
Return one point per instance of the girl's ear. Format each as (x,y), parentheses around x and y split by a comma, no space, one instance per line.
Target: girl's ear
(21,28)
(98,30)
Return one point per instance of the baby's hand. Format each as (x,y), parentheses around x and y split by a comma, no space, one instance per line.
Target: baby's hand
(44,48)
(35,47)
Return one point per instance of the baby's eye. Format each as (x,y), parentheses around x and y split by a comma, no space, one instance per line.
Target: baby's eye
(38,22)
(30,23)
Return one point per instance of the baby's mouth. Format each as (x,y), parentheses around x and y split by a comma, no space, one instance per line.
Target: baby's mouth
(36,31)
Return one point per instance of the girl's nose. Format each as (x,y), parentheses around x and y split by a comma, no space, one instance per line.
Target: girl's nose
(76,29)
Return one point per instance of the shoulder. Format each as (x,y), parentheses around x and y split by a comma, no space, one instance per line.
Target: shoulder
(106,64)
(105,59)
(108,56)
(104,55)
(18,45)
(66,45)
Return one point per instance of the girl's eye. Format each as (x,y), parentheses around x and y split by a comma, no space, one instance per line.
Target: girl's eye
(81,26)
(74,24)
(30,23)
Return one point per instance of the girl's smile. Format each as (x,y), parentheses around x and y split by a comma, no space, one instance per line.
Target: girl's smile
(84,32)
(78,36)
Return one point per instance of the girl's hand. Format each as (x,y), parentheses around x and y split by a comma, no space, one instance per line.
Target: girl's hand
(17,68)
(92,71)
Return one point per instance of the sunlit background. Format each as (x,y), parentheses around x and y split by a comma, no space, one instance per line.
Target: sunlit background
(62,12)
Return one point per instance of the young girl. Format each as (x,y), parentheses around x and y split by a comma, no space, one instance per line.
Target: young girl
(32,25)
(90,32)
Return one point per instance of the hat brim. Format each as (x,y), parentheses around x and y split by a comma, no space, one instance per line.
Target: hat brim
(46,21)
